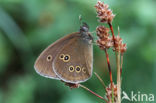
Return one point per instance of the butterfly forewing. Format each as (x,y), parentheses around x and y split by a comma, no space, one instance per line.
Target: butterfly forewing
(43,64)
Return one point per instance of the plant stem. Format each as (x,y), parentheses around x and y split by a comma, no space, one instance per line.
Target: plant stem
(113,95)
(110,74)
(109,68)
(112,31)
(118,78)
(102,82)
(93,93)
(121,64)
(118,66)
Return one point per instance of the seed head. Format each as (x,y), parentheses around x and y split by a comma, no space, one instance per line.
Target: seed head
(119,45)
(104,13)
(104,41)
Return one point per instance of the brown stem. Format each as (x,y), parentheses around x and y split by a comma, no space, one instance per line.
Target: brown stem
(109,68)
(93,92)
(112,31)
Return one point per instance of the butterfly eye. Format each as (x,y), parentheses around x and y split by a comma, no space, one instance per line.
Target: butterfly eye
(66,58)
(84,70)
(78,69)
(61,56)
(71,68)
(49,58)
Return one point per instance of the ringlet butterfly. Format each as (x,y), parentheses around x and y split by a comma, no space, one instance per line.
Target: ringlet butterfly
(69,59)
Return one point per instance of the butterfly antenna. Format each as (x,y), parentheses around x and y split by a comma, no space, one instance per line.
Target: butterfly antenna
(82,23)
(80,19)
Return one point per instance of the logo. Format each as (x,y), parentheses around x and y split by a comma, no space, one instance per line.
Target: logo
(138,97)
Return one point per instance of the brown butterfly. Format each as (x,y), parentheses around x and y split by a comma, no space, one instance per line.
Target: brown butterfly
(69,59)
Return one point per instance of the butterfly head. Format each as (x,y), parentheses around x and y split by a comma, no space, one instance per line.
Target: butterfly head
(84,31)
(84,27)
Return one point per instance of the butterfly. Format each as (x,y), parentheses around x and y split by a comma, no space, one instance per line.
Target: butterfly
(69,59)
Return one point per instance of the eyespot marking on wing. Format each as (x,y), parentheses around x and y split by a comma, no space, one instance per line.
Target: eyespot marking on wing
(61,56)
(66,58)
(84,70)
(49,58)
(78,69)
(71,68)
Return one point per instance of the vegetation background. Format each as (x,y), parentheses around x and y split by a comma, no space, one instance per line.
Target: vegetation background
(27,27)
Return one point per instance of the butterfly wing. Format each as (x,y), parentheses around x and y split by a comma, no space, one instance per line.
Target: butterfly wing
(76,66)
(43,64)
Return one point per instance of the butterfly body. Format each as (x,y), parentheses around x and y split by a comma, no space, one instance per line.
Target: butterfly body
(69,59)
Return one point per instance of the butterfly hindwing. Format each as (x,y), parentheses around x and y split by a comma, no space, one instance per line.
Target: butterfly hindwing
(74,62)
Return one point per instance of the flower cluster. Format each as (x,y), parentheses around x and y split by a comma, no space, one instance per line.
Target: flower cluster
(104,41)
(119,45)
(103,12)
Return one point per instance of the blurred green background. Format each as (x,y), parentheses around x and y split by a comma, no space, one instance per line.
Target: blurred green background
(28,26)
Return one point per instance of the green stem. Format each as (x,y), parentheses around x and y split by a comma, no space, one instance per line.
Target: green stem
(112,95)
